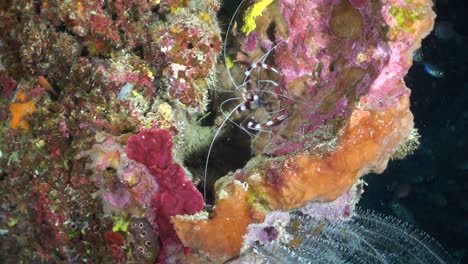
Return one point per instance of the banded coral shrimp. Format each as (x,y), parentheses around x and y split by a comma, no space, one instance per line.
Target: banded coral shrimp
(296,79)
(259,104)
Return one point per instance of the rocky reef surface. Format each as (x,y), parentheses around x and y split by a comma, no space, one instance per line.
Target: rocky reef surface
(107,105)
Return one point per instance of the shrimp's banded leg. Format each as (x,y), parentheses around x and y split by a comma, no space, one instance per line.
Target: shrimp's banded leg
(265,66)
(250,102)
(253,66)
(254,125)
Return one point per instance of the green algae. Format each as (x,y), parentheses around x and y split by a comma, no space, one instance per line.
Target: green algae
(120,225)
(259,198)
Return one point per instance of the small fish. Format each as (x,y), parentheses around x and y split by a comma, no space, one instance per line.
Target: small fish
(463,166)
(418,55)
(445,32)
(433,70)
(44,83)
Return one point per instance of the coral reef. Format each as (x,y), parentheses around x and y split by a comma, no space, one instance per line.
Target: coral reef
(367,142)
(77,80)
(125,184)
(337,74)
(103,106)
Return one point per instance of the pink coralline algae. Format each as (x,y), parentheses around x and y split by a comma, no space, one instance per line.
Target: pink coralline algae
(7,86)
(177,194)
(270,229)
(126,184)
(340,209)
(48,222)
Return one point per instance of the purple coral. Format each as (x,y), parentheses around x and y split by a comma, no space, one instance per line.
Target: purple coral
(272,228)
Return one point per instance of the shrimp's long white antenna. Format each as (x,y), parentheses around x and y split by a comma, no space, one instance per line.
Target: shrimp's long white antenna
(261,59)
(212,143)
(225,41)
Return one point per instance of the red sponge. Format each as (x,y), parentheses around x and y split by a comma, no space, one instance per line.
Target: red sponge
(177,195)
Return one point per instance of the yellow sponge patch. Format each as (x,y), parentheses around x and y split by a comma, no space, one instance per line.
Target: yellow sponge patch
(253,12)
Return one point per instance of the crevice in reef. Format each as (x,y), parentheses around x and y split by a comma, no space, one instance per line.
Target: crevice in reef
(231,150)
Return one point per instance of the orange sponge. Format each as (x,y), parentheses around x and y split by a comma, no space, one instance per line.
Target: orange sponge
(219,237)
(19,110)
(366,143)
